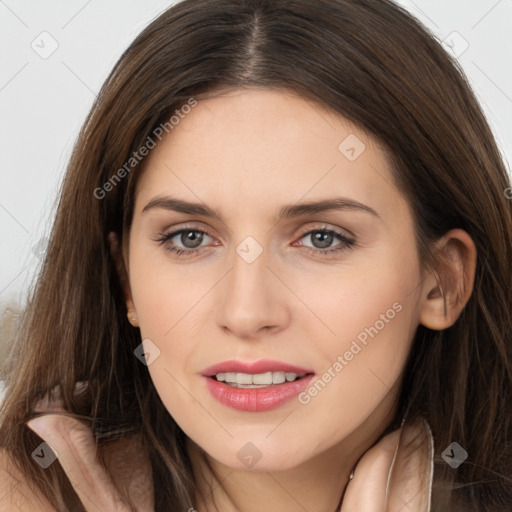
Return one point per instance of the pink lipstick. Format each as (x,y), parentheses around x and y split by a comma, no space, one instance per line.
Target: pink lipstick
(256,386)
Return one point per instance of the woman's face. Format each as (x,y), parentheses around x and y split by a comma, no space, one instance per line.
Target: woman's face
(279,276)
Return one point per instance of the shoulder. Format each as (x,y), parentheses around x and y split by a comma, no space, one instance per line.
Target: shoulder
(16,492)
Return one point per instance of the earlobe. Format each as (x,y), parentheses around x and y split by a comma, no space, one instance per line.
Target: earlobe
(131,314)
(123,278)
(446,290)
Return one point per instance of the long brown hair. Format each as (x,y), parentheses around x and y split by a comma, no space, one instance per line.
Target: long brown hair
(371,62)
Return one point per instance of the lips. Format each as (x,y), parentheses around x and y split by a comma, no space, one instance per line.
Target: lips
(263,366)
(257,399)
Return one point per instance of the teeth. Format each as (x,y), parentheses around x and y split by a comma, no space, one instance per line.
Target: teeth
(261,378)
(258,379)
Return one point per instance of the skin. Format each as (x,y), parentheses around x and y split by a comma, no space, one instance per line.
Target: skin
(246,153)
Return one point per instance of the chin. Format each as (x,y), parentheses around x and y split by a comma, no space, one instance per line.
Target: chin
(249,456)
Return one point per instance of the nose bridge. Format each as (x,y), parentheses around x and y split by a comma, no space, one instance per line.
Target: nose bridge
(250,300)
(249,274)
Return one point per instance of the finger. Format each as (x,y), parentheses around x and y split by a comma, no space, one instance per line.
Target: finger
(52,401)
(366,492)
(75,448)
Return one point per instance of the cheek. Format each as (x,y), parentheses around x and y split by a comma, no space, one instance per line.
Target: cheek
(169,319)
(169,300)
(165,293)
(361,372)
(373,316)
(373,297)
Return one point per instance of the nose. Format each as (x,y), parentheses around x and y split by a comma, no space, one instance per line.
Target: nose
(252,300)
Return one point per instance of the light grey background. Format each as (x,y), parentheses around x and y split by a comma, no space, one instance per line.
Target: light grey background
(43,101)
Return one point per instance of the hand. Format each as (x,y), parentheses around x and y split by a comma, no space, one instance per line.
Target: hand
(73,443)
(394,475)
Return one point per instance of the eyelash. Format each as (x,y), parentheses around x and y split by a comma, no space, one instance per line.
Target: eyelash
(347,244)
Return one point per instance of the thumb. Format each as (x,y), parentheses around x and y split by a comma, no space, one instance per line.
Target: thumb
(366,492)
(395,474)
(74,445)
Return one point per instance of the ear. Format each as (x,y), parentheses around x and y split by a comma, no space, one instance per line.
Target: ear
(446,290)
(122,274)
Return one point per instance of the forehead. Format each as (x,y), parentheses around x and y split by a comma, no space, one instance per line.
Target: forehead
(251,147)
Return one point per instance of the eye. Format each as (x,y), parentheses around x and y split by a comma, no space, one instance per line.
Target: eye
(323,238)
(190,238)
(189,241)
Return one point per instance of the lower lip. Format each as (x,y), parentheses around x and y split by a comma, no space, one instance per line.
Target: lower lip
(256,399)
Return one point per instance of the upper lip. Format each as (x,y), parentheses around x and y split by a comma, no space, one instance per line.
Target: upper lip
(254,367)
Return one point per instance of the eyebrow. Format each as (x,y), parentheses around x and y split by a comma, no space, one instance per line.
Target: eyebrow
(285,212)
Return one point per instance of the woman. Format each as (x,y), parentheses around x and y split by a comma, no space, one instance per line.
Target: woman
(333,331)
